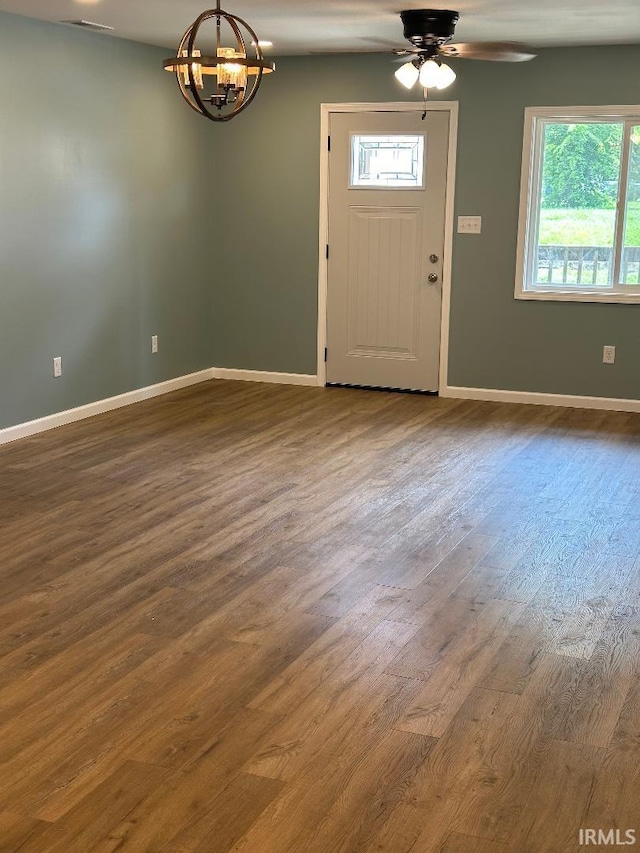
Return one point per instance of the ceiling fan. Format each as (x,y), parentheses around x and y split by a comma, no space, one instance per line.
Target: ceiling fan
(430,32)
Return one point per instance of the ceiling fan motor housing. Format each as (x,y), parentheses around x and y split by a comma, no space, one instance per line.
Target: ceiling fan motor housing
(423,27)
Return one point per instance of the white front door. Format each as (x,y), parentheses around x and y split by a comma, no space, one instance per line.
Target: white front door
(387,187)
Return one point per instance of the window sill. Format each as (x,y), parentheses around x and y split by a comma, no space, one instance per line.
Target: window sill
(582,296)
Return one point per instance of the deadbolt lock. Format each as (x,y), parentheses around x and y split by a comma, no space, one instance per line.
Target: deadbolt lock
(434,259)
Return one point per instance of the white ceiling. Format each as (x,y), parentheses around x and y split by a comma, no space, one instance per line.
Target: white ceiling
(308,26)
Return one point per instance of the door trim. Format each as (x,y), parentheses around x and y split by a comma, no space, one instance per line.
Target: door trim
(401,106)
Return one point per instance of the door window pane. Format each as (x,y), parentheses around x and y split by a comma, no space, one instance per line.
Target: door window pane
(387,161)
(577,211)
(630,269)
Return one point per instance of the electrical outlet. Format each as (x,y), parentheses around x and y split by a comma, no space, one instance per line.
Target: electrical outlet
(154,343)
(57,367)
(469,224)
(608,355)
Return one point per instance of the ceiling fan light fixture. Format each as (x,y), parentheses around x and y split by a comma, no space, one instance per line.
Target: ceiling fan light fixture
(429,74)
(430,32)
(408,75)
(446,76)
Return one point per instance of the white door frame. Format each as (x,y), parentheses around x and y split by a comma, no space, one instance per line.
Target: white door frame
(397,107)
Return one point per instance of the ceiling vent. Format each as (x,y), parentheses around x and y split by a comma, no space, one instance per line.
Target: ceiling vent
(89,25)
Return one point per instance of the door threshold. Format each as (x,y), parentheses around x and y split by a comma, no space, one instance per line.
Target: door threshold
(380,388)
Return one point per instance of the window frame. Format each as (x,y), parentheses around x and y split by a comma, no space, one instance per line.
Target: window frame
(535,119)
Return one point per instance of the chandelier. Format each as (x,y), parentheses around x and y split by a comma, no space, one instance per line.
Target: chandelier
(221,78)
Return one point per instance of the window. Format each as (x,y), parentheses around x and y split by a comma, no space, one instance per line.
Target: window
(390,162)
(579,236)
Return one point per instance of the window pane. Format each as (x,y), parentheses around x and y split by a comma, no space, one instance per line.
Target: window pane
(387,161)
(578,197)
(630,270)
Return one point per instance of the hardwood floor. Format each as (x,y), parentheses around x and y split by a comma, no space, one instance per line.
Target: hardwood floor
(273,619)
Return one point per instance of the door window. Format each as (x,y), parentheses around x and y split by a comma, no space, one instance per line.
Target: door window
(387,161)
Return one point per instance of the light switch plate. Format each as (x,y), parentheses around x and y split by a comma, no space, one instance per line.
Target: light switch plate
(469,224)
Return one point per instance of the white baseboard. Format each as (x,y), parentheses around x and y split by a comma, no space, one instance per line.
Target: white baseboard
(100,406)
(81,412)
(533,398)
(265,376)
(492,395)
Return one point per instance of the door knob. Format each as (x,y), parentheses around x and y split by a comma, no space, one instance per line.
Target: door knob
(433,277)
(434,259)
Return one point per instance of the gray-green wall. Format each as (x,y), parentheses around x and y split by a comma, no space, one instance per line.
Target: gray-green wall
(267,320)
(105,223)
(125,215)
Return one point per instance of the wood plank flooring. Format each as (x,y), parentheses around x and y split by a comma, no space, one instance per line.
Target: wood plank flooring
(272,619)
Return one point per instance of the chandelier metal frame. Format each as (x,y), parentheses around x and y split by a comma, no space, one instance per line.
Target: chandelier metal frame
(189,66)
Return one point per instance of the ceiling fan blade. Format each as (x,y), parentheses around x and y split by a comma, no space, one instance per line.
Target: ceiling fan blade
(493,51)
(405,55)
